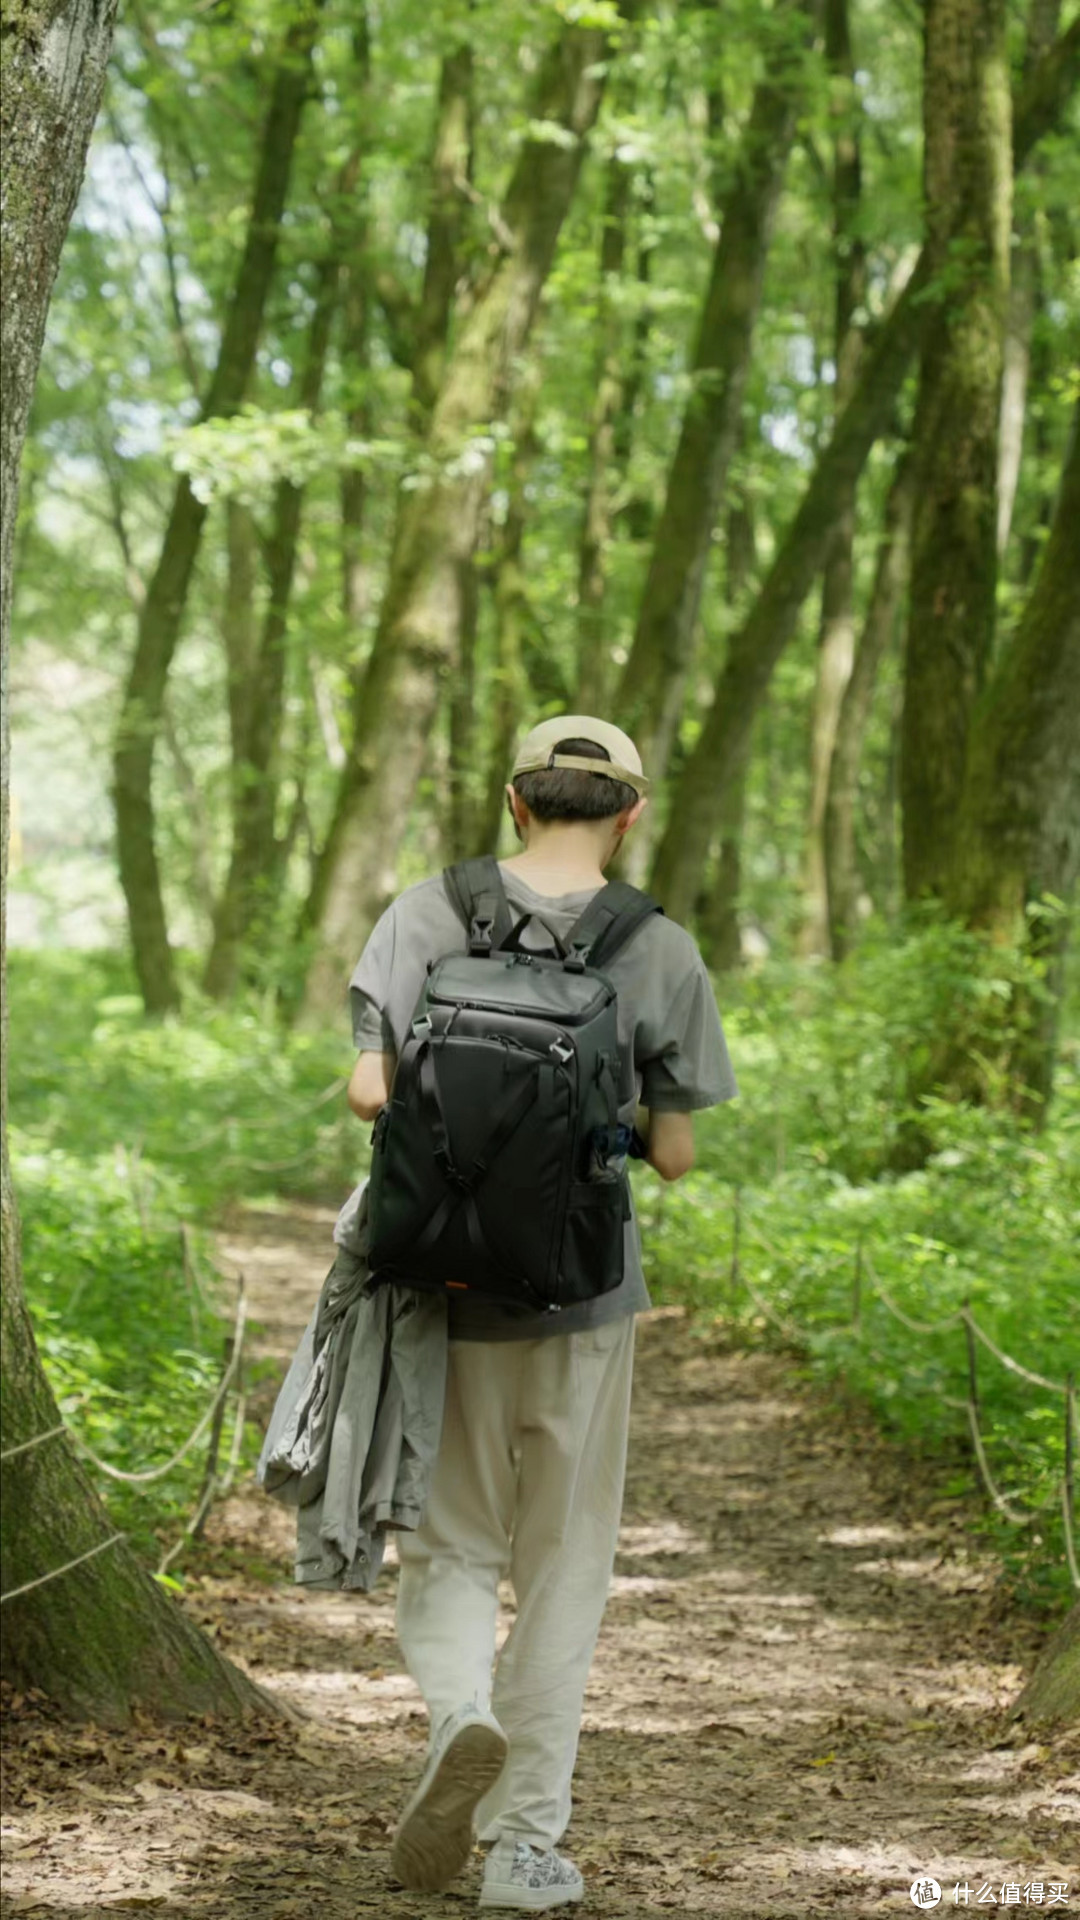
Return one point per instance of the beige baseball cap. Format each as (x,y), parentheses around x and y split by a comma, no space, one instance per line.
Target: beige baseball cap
(537,751)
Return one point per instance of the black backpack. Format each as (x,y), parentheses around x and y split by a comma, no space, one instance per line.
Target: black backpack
(490,1167)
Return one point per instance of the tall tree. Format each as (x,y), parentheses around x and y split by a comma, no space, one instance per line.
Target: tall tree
(1023,302)
(438,518)
(836,638)
(879,625)
(596,526)
(718,755)
(252,879)
(651,691)
(82,1621)
(1016,851)
(968,194)
(162,610)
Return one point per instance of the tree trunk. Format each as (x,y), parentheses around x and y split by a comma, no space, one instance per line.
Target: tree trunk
(356,313)
(836,639)
(451,178)
(771,622)
(1019,830)
(721,935)
(650,694)
(754,651)
(1051,1697)
(718,914)
(460,816)
(250,883)
(437,526)
(1016,368)
(968,175)
(513,616)
(163,608)
(1023,304)
(886,595)
(1046,92)
(99,1637)
(238,630)
(596,527)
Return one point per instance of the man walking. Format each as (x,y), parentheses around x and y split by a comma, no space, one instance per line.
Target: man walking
(529,1479)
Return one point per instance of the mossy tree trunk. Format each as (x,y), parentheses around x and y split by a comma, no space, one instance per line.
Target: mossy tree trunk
(718,755)
(650,693)
(162,610)
(253,876)
(968,199)
(451,179)
(593,646)
(1018,836)
(879,626)
(836,636)
(101,1637)
(437,524)
(760,641)
(1023,302)
(1052,1695)
(719,926)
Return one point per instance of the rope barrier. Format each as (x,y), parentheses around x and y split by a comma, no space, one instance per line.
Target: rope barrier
(787,1327)
(1036,1379)
(263,1126)
(969,1407)
(926,1327)
(55,1573)
(1004,1507)
(227,1378)
(24,1446)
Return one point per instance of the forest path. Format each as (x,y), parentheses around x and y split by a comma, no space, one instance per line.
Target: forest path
(794,1708)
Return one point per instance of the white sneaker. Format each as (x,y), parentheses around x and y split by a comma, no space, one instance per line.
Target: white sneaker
(435,1834)
(528,1879)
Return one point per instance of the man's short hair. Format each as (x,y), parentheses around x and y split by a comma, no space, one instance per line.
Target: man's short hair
(567,793)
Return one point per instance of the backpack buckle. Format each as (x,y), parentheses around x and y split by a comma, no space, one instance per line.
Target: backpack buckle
(577,957)
(422,1025)
(562,1052)
(480,933)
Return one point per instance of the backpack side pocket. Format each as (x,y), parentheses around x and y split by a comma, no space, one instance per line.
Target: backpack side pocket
(592,1258)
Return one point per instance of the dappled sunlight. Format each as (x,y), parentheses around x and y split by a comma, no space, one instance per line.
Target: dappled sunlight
(789,1713)
(664,1537)
(865,1536)
(959,1575)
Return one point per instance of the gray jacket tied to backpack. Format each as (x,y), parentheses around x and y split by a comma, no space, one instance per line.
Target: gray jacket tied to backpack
(355,1429)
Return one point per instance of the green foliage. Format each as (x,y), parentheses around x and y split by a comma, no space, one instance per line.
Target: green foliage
(992,1218)
(125,1129)
(126,1137)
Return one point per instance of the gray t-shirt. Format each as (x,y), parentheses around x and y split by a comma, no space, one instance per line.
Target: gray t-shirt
(673,1053)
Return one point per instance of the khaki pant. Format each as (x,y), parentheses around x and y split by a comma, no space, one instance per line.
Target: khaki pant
(528,1483)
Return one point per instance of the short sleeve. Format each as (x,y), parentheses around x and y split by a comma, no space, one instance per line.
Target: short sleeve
(369,989)
(684,1061)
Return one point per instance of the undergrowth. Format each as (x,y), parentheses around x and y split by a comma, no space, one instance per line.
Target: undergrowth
(130,1136)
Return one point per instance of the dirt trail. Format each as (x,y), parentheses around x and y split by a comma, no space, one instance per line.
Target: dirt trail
(794,1709)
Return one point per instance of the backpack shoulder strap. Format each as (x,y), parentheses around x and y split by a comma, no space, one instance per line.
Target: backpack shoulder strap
(611,918)
(475,890)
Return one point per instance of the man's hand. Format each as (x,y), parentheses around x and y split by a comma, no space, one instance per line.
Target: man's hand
(369,1086)
(669,1142)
